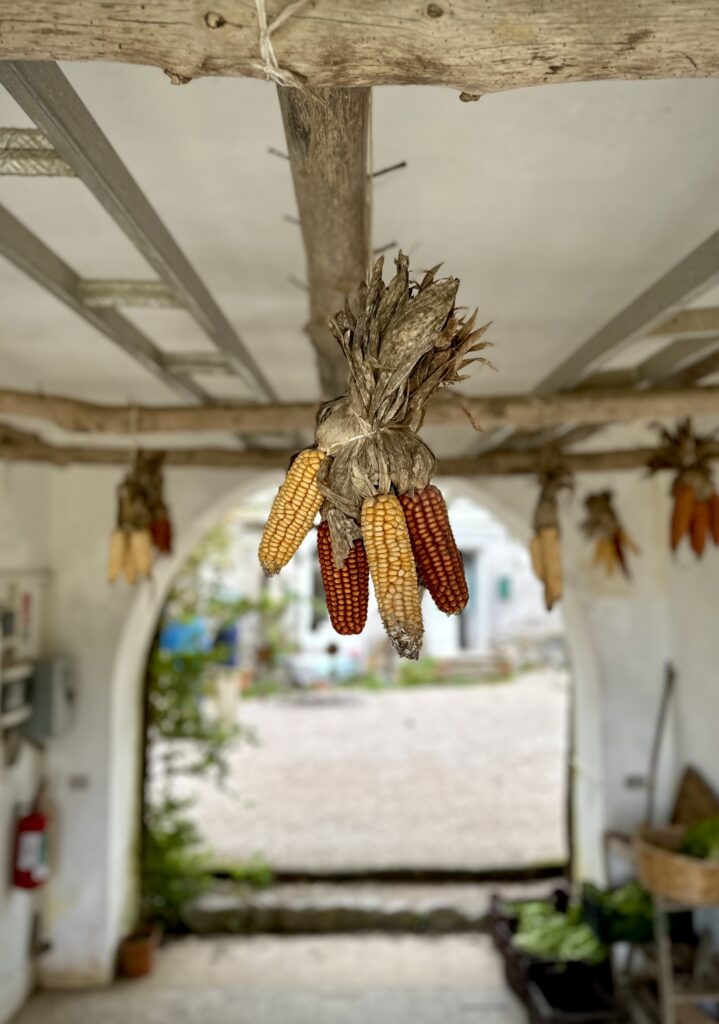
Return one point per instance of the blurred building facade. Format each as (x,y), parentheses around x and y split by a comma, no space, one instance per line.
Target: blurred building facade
(505,614)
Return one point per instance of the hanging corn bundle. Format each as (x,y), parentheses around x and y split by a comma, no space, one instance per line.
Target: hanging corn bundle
(545,546)
(368,474)
(612,542)
(142,520)
(695,509)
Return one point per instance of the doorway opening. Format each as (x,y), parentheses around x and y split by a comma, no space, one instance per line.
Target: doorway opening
(280,753)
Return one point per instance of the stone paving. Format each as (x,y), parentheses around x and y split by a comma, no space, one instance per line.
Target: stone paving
(451,777)
(318,980)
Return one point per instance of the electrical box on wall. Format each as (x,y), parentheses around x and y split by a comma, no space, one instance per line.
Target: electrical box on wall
(22,605)
(52,698)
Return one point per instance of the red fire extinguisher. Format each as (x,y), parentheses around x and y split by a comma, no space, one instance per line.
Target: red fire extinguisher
(31,868)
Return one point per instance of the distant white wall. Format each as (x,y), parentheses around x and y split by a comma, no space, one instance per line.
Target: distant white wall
(23,546)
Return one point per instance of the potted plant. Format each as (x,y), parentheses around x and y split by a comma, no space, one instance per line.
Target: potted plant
(136,955)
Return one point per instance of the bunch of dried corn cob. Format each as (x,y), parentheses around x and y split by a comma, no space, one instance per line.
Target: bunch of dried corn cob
(142,520)
(369,473)
(612,540)
(695,512)
(545,548)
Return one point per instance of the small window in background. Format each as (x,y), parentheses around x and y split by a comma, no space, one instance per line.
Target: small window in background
(504,588)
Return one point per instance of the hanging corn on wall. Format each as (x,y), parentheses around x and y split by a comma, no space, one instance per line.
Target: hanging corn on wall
(143,522)
(612,543)
(695,508)
(545,547)
(368,474)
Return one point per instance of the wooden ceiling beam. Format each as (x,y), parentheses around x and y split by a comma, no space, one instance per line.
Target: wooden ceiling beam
(525,412)
(327,133)
(46,95)
(477,48)
(690,323)
(16,446)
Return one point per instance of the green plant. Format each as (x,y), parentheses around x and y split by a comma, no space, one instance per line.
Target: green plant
(370,681)
(177,711)
(545,933)
(174,867)
(263,687)
(256,873)
(702,839)
(185,737)
(424,672)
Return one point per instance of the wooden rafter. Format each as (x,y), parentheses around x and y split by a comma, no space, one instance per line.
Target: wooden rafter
(46,95)
(18,446)
(525,412)
(327,133)
(690,323)
(500,44)
(691,276)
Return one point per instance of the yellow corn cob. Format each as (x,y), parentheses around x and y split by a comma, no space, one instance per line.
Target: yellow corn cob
(141,545)
(293,511)
(535,550)
(129,565)
(552,562)
(116,554)
(605,554)
(393,571)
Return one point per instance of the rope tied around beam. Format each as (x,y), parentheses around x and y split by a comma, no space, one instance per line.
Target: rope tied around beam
(270,66)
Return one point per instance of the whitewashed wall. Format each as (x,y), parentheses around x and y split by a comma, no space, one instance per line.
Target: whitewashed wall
(23,546)
(621,635)
(95,768)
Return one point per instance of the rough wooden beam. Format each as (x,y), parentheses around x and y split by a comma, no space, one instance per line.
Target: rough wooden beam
(671,362)
(46,96)
(526,412)
(327,134)
(691,276)
(478,48)
(17,447)
(697,322)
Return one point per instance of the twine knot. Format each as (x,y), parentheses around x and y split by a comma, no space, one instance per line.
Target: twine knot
(269,65)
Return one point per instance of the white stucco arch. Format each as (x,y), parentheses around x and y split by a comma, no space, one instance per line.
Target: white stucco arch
(195,513)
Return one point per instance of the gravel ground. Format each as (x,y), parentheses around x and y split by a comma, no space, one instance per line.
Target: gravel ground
(329,980)
(451,777)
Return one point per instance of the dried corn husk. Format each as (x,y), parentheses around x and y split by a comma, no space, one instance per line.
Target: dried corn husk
(143,522)
(695,505)
(403,341)
(545,549)
(612,542)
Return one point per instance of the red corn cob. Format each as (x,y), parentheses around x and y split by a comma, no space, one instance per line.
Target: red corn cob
(161,531)
(438,558)
(346,589)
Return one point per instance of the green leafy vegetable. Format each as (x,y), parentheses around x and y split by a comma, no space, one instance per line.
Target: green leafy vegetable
(545,933)
(702,840)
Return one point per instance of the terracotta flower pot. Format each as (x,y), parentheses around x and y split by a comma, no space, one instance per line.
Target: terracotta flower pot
(137,952)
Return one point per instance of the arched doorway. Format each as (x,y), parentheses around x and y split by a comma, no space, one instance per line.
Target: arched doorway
(424,777)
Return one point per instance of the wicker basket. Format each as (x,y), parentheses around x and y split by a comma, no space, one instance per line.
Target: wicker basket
(665,872)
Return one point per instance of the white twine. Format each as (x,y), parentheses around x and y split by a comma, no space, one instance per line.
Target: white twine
(270,67)
(358,437)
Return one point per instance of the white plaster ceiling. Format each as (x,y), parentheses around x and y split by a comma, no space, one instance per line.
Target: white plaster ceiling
(555,206)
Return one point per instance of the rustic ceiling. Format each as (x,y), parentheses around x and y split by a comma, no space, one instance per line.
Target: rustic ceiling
(556,206)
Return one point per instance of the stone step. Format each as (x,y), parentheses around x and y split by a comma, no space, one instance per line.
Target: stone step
(325,908)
